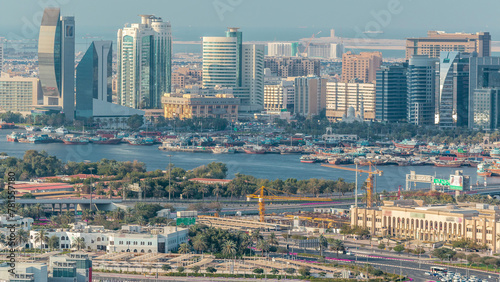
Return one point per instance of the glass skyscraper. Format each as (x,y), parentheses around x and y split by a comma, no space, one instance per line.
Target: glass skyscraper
(452,103)
(391,92)
(484,82)
(56,60)
(94,77)
(421,94)
(144,63)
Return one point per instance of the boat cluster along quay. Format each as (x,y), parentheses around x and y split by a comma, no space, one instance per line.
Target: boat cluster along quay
(48,134)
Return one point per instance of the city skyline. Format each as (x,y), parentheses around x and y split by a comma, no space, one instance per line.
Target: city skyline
(393,17)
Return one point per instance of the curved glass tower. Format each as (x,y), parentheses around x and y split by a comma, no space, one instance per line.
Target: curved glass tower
(56,60)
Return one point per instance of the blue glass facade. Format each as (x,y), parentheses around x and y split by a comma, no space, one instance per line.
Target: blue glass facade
(391,92)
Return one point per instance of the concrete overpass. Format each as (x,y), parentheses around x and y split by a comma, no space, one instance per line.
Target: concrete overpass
(70,204)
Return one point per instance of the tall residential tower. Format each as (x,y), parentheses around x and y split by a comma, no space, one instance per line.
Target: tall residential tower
(144,62)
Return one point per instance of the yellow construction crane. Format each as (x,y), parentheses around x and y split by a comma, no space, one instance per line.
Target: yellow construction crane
(309,43)
(369,180)
(259,194)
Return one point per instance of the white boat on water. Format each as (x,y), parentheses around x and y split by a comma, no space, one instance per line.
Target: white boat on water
(222,150)
(48,129)
(62,130)
(32,128)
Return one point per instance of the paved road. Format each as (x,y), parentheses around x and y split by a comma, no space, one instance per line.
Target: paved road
(111,277)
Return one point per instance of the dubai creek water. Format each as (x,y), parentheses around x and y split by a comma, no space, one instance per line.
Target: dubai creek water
(269,166)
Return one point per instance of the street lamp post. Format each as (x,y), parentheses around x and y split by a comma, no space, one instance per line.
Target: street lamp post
(169,173)
(91,184)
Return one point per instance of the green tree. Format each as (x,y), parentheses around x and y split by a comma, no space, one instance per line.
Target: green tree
(135,121)
(184,248)
(273,241)
(211,269)
(323,244)
(290,270)
(263,245)
(381,246)
(54,242)
(166,267)
(258,271)
(41,237)
(229,248)
(337,246)
(78,243)
(304,271)
(444,253)
(181,269)
(196,268)
(399,248)
(274,271)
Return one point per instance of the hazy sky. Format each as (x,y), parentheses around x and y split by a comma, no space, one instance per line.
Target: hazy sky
(414,16)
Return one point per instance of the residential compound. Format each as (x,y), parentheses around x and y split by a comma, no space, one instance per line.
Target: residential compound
(144,62)
(131,238)
(291,67)
(410,219)
(438,41)
(341,96)
(227,62)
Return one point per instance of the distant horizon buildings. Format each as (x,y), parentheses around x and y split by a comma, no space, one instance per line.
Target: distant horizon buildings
(293,66)
(56,60)
(144,54)
(360,67)
(282,49)
(437,41)
(325,50)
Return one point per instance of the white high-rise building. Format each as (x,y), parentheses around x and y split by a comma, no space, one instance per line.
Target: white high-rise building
(341,96)
(1,55)
(220,61)
(326,51)
(229,63)
(282,49)
(144,62)
(253,77)
(279,97)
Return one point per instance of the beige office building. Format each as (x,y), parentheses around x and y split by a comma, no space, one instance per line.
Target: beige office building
(19,94)
(360,68)
(190,106)
(410,219)
(341,96)
(310,95)
(279,97)
(437,41)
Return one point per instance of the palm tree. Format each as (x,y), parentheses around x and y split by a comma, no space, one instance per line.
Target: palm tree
(41,237)
(200,243)
(272,240)
(171,190)
(203,189)
(337,245)
(22,236)
(256,236)
(78,243)
(263,245)
(229,248)
(217,190)
(323,244)
(184,248)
